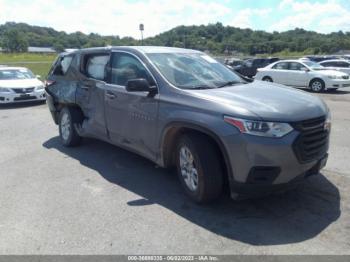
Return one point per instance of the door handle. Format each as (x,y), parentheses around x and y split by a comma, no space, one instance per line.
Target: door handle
(85,85)
(110,95)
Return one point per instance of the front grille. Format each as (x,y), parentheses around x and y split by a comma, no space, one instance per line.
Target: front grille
(23,90)
(345,77)
(312,142)
(24,98)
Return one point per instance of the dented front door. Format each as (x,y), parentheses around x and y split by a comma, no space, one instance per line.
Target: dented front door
(131,116)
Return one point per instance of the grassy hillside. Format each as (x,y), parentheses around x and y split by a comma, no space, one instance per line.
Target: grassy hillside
(38,63)
(216,38)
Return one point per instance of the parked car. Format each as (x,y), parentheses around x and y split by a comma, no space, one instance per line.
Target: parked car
(301,73)
(337,64)
(182,108)
(249,67)
(245,78)
(317,58)
(19,84)
(234,62)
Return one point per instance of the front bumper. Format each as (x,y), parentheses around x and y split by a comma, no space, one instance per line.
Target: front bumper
(6,98)
(262,165)
(337,83)
(247,190)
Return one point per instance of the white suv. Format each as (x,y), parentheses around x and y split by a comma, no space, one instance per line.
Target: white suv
(301,73)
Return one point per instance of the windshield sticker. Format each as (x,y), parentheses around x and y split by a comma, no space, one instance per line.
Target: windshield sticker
(209,59)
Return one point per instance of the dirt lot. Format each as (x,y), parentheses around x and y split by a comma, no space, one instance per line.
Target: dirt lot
(99,199)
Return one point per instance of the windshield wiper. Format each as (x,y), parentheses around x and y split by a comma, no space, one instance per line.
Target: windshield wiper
(230,83)
(198,87)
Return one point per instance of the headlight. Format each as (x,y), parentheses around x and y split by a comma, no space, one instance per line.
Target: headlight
(334,77)
(259,128)
(39,88)
(5,90)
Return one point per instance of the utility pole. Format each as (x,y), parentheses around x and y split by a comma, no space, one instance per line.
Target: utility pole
(141,27)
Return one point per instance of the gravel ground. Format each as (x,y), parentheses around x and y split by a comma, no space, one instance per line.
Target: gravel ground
(99,199)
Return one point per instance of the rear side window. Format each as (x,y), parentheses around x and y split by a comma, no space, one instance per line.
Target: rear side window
(296,66)
(328,64)
(281,66)
(95,66)
(62,65)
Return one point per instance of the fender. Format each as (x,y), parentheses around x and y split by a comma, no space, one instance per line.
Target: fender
(177,126)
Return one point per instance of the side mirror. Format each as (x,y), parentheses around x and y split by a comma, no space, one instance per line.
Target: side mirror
(305,69)
(139,85)
(38,76)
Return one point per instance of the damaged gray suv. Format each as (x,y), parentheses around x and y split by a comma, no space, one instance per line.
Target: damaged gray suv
(181,108)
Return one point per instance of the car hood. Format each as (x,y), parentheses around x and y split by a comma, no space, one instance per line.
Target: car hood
(268,101)
(23,83)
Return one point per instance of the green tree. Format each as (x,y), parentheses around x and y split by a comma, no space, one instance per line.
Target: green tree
(13,41)
(59,47)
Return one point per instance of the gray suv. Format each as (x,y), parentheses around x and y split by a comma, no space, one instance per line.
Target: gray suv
(181,108)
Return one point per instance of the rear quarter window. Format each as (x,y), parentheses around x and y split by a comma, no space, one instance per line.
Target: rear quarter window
(62,65)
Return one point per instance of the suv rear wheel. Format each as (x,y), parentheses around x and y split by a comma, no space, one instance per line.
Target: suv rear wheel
(69,117)
(199,168)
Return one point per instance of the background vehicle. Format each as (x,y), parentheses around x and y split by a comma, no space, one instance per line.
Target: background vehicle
(18,84)
(301,73)
(234,62)
(181,108)
(315,58)
(337,64)
(249,67)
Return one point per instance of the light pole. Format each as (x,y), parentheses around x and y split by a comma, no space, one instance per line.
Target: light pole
(142,27)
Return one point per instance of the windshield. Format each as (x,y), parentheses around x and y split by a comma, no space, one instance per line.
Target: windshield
(193,70)
(15,74)
(313,65)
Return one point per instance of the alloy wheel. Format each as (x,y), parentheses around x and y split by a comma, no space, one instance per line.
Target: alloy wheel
(65,126)
(316,86)
(188,168)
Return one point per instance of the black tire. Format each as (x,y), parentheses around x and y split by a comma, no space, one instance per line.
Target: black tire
(317,85)
(207,162)
(267,79)
(74,117)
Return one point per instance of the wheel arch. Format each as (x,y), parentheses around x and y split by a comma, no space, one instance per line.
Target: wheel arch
(174,130)
(60,105)
(316,78)
(267,76)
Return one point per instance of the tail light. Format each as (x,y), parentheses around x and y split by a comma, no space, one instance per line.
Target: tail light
(48,83)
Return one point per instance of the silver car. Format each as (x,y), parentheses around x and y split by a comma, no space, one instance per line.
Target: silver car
(181,108)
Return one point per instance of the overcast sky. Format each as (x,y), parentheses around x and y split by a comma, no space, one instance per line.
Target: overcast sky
(122,17)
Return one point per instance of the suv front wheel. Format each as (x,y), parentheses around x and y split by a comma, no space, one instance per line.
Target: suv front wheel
(69,117)
(199,168)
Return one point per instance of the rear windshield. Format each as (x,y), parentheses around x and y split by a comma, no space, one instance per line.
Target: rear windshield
(16,74)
